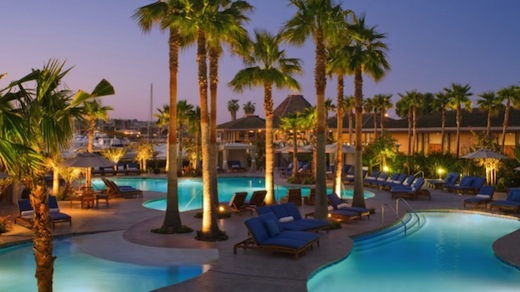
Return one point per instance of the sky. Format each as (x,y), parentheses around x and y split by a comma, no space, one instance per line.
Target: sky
(432,44)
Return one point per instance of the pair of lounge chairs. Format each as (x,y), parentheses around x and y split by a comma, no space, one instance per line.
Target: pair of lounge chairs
(290,218)
(114,190)
(238,202)
(412,191)
(511,203)
(468,184)
(339,209)
(266,233)
(55,215)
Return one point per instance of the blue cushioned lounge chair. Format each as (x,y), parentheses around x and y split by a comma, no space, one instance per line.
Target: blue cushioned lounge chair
(55,215)
(484,196)
(337,204)
(410,192)
(268,234)
(290,218)
(511,203)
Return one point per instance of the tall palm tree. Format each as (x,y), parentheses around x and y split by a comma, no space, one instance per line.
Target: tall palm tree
(383,103)
(368,57)
(349,105)
(414,100)
(441,103)
(293,123)
(459,95)
(163,120)
(403,109)
(167,15)
(268,67)
(491,104)
(511,95)
(233,108)
(184,113)
(321,20)
(369,107)
(93,111)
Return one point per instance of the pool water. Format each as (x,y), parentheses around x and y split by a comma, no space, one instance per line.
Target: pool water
(75,270)
(450,252)
(190,190)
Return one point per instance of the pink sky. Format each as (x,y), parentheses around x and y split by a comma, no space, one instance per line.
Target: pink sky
(432,44)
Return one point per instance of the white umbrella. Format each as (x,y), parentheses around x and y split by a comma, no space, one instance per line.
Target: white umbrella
(331,148)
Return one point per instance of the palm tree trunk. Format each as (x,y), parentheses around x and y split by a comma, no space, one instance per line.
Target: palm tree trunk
(213,86)
(321,83)
(339,132)
(269,153)
(488,129)
(42,240)
(375,124)
(506,121)
(410,133)
(414,133)
(458,131)
(443,126)
(209,217)
(350,128)
(172,220)
(359,199)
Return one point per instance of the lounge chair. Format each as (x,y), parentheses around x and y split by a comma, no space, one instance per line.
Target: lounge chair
(235,166)
(338,204)
(484,196)
(371,178)
(290,218)
(121,191)
(257,200)
(294,196)
(349,178)
(120,169)
(396,182)
(269,235)
(132,168)
(380,183)
(511,203)
(237,203)
(410,192)
(286,171)
(450,179)
(468,185)
(55,215)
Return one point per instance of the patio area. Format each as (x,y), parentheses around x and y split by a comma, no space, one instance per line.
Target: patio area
(131,241)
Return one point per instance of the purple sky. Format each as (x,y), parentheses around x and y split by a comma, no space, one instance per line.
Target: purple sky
(432,44)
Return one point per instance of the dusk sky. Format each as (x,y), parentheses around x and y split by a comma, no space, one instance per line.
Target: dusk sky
(432,44)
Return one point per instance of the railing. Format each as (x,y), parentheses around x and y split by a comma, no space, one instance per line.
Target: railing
(396,212)
(419,172)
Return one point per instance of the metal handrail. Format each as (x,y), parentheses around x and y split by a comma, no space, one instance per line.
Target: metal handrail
(421,172)
(409,208)
(395,213)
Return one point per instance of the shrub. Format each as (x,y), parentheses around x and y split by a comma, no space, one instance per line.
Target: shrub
(5,224)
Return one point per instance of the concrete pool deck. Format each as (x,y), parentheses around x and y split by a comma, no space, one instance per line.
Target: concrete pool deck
(122,233)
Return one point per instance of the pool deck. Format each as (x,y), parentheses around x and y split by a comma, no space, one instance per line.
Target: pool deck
(122,233)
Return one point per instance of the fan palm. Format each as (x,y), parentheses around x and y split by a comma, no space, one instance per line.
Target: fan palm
(321,20)
(233,107)
(268,67)
(511,95)
(459,97)
(441,104)
(491,104)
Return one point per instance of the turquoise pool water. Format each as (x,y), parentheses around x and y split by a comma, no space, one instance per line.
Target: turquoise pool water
(450,252)
(75,270)
(190,190)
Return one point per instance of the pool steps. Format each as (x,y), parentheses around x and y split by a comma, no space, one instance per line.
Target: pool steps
(391,234)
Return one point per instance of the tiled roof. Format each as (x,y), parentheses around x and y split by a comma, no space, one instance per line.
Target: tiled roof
(292,104)
(250,122)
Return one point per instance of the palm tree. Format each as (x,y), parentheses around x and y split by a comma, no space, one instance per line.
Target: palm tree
(293,123)
(233,107)
(382,102)
(511,95)
(369,107)
(249,108)
(93,111)
(268,67)
(491,104)
(163,120)
(349,105)
(49,112)
(403,109)
(459,95)
(368,56)
(167,15)
(321,20)
(414,101)
(441,104)
(184,113)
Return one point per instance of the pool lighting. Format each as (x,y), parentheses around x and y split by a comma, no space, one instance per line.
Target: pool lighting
(440,171)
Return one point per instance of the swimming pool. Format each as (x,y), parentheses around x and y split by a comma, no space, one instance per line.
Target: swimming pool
(450,252)
(75,270)
(190,189)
